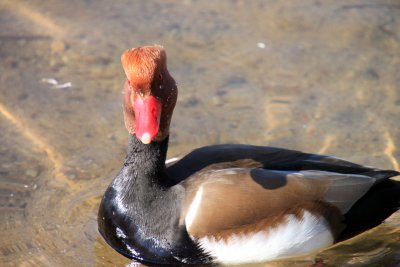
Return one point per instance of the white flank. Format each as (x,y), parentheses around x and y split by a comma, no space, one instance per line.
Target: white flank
(193,208)
(293,237)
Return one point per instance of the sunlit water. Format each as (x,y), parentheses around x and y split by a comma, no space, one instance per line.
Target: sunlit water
(320,76)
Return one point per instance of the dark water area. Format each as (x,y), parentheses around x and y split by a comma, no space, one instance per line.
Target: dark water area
(318,76)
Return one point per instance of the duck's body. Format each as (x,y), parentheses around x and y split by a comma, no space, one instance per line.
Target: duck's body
(229,203)
(224,203)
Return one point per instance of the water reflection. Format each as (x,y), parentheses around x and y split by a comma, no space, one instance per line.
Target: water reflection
(325,81)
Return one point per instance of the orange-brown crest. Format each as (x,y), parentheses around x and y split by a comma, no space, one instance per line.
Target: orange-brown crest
(141,63)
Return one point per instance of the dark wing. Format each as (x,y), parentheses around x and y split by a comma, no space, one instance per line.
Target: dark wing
(229,186)
(266,158)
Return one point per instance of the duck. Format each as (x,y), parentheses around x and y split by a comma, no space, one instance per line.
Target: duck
(220,204)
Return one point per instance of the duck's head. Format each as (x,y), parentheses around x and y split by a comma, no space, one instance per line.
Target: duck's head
(150,93)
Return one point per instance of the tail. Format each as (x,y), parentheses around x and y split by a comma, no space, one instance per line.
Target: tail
(381,175)
(375,206)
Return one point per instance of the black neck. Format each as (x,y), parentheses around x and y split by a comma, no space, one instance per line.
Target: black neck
(144,209)
(142,183)
(142,189)
(147,162)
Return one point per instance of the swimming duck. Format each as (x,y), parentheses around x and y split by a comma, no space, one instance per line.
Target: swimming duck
(224,204)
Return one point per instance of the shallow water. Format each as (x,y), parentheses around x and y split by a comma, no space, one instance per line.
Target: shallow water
(320,76)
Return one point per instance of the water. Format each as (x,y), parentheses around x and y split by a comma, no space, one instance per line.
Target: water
(320,76)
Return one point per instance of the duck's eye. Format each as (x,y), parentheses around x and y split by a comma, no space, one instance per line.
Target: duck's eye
(160,77)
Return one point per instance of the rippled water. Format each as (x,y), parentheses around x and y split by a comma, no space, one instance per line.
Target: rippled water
(320,76)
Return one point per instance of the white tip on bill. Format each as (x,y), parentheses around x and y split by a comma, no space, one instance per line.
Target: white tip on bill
(146,139)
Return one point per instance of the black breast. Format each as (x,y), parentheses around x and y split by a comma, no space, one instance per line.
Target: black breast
(122,231)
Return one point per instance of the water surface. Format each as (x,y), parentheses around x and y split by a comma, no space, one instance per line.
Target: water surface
(319,76)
